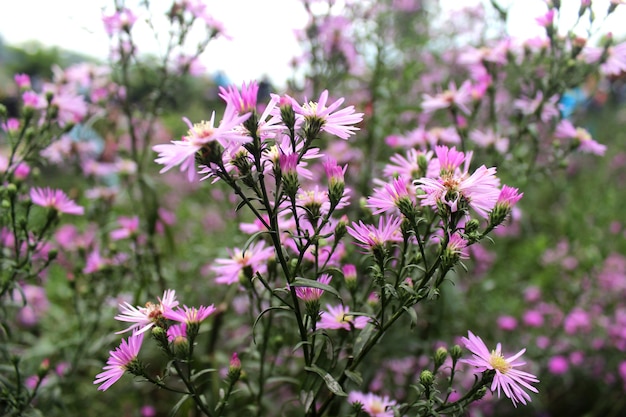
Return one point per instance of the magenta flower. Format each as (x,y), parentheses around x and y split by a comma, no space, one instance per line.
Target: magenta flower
(189,314)
(511,381)
(508,197)
(458,189)
(582,138)
(370,237)
(339,318)
(243,100)
(129,227)
(392,197)
(336,122)
(309,294)
(451,97)
(119,361)
(55,199)
(183,152)
(144,318)
(373,405)
(250,260)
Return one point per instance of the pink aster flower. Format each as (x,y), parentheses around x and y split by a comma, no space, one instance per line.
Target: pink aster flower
(55,199)
(371,238)
(250,260)
(183,152)
(452,97)
(243,100)
(129,227)
(373,405)
(119,361)
(189,314)
(144,318)
(582,138)
(393,197)
(309,294)
(338,317)
(508,379)
(336,122)
(615,63)
(456,188)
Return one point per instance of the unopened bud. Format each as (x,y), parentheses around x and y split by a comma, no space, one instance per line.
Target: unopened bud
(440,357)
(234,368)
(427,378)
(456,352)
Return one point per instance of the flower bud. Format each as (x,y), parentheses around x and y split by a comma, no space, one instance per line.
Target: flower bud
(456,352)
(234,368)
(440,357)
(427,378)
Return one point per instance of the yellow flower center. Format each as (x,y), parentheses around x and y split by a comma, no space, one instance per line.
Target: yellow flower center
(498,362)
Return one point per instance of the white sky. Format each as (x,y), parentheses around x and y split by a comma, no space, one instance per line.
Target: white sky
(261,30)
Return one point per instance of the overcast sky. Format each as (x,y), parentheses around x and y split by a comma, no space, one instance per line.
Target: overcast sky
(261,30)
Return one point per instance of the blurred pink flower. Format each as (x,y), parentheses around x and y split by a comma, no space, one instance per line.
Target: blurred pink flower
(558,365)
(338,317)
(55,199)
(373,405)
(251,260)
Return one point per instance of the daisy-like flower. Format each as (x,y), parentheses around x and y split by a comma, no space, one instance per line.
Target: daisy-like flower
(582,138)
(189,314)
(243,100)
(247,261)
(451,97)
(120,360)
(373,405)
(393,197)
(183,152)
(55,199)
(508,379)
(456,188)
(373,238)
(615,58)
(144,318)
(338,317)
(336,122)
(309,294)
(411,165)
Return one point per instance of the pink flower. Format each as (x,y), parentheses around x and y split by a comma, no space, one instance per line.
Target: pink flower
(189,314)
(508,379)
(242,101)
(183,152)
(336,122)
(339,318)
(55,199)
(371,238)
(121,19)
(144,318)
(22,80)
(507,323)
(392,197)
(250,260)
(373,405)
(451,97)
(558,365)
(308,294)
(582,138)
(119,361)
(129,226)
(458,189)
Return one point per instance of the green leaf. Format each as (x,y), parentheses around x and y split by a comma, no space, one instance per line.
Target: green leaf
(412,314)
(196,375)
(331,382)
(179,404)
(354,377)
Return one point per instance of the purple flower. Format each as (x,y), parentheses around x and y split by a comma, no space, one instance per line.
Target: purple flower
(119,361)
(508,379)
(370,237)
(339,318)
(373,405)
(144,318)
(189,314)
(55,199)
(336,122)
